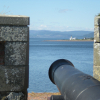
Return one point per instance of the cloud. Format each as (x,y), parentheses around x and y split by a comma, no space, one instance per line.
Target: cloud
(42,27)
(89,29)
(60,28)
(64,10)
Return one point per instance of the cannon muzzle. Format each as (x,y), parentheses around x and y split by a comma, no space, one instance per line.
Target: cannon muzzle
(72,83)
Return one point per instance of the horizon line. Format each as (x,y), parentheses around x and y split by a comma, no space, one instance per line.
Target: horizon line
(61,31)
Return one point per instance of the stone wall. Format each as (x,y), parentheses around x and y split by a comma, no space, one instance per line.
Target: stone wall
(96,67)
(14,57)
(2,53)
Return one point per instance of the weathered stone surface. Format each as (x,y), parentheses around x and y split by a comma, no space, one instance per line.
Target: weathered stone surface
(97,34)
(14,49)
(97,20)
(2,52)
(14,20)
(96,72)
(14,33)
(12,78)
(12,96)
(15,96)
(96,54)
(15,53)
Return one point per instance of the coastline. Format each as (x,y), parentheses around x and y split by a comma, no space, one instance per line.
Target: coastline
(41,96)
(70,40)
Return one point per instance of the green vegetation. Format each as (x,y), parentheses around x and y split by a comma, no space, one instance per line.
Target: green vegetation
(91,38)
(86,39)
(99,14)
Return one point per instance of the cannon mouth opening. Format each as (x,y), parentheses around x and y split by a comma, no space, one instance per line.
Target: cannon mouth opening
(55,65)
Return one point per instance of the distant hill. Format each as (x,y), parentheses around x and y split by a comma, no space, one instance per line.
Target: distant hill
(59,34)
(90,35)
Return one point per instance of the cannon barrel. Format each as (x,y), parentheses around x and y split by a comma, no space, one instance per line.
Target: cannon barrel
(72,83)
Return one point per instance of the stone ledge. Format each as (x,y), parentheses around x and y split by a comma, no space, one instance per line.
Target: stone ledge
(14,20)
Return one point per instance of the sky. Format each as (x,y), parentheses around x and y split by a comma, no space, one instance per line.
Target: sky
(55,15)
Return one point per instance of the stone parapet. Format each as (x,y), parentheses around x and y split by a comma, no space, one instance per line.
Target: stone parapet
(96,54)
(14,33)
(2,53)
(14,58)
(96,33)
(14,20)
(96,72)
(12,78)
(97,21)
(12,96)
(96,66)
(15,53)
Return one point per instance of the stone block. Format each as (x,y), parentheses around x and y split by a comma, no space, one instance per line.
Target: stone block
(97,34)
(12,96)
(14,20)
(96,72)
(12,78)
(97,20)
(14,33)
(96,54)
(15,53)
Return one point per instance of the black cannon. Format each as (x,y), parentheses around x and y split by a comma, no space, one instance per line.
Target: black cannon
(72,83)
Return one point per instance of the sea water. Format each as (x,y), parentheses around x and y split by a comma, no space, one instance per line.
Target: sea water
(43,53)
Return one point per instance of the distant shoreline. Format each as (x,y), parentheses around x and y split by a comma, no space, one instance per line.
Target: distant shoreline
(70,40)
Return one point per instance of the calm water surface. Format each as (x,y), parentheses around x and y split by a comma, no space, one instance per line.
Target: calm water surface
(43,53)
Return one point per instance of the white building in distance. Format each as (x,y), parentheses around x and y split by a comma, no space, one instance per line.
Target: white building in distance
(72,38)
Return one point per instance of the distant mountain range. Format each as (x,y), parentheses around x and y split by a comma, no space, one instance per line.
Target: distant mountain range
(60,35)
(90,35)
